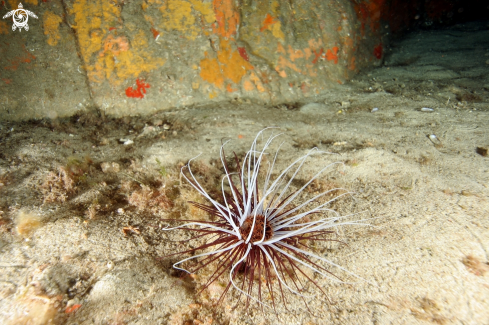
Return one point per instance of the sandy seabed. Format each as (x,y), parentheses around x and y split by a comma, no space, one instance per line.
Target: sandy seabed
(81,200)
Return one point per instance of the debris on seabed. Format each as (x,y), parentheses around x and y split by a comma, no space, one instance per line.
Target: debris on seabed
(126,141)
(481,151)
(375,109)
(427,109)
(435,140)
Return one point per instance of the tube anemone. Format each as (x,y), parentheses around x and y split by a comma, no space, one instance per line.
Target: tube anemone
(262,233)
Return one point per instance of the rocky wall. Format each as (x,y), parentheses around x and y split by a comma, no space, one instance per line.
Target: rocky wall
(141,56)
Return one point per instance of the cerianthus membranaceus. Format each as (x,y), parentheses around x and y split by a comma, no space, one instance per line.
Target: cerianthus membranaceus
(262,229)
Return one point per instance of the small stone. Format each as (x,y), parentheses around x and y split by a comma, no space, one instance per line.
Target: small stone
(126,142)
(110,167)
(157,122)
(481,151)
(148,130)
(70,302)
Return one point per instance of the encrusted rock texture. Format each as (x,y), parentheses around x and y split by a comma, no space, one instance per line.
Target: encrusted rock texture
(142,56)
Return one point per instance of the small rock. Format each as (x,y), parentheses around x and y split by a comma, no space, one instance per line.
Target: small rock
(340,143)
(148,129)
(158,122)
(110,167)
(104,141)
(481,151)
(126,142)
